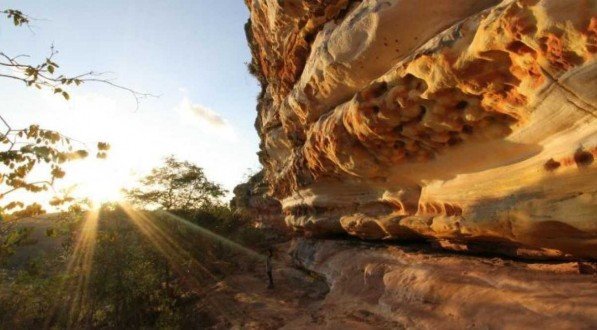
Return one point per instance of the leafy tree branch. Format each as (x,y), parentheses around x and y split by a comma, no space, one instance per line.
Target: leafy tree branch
(22,150)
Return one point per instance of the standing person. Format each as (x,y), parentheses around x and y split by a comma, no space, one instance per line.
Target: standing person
(268,268)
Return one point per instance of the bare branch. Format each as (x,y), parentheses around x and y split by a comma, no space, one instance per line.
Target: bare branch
(42,75)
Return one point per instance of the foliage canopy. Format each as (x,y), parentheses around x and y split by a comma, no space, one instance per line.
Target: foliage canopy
(176,185)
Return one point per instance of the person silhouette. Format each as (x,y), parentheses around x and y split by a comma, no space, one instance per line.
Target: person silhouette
(268,268)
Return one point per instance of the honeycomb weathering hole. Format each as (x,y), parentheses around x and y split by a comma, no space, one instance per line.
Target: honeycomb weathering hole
(551,165)
(461,105)
(583,158)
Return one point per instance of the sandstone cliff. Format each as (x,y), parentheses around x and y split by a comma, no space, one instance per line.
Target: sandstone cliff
(471,123)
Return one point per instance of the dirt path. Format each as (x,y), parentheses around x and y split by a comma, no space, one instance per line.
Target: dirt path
(249,304)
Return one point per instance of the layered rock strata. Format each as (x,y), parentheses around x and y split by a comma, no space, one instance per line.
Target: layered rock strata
(377,287)
(468,122)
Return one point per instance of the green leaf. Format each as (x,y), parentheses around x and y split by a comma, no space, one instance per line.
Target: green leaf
(66,96)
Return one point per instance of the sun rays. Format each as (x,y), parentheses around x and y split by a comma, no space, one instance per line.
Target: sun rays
(180,259)
(162,230)
(83,261)
(79,267)
(195,275)
(213,236)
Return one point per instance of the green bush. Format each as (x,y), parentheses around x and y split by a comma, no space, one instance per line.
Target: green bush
(132,282)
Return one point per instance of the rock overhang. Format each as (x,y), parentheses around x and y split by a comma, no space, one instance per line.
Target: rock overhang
(471,123)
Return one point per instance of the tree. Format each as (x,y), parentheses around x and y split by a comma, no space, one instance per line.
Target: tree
(176,185)
(23,150)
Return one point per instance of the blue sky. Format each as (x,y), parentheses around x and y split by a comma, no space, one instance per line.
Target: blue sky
(191,53)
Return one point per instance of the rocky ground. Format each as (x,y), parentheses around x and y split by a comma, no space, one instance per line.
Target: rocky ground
(354,285)
(351,284)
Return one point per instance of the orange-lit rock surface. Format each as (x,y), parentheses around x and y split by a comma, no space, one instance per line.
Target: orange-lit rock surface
(471,123)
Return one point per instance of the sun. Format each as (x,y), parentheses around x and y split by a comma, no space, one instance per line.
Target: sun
(100,181)
(100,192)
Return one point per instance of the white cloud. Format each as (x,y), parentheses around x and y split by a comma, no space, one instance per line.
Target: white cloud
(206,118)
(204,114)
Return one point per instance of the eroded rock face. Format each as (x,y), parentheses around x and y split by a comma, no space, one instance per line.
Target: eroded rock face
(469,122)
(251,200)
